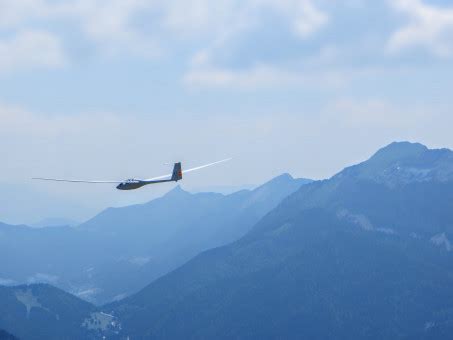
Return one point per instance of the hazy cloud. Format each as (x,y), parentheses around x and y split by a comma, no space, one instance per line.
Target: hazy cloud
(43,278)
(15,13)
(429,27)
(30,49)
(7,282)
(260,76)
(115,24)
(110,25)
(309,19)
(139,261)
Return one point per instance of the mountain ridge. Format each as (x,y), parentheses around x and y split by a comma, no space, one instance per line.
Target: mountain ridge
(252,288)
(121,250)
(400,163)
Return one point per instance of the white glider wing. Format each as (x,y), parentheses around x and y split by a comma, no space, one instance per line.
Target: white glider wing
(188,170)
(73,180)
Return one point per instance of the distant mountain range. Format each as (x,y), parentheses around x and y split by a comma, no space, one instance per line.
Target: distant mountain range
(121,250)
(366,254)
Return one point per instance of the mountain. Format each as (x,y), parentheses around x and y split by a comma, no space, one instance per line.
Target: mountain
(121,250)
(54,222)
(4,335)
(155,238)
(364,254)
(44,312)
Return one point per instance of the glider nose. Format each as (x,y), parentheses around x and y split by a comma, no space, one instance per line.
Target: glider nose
(120,186)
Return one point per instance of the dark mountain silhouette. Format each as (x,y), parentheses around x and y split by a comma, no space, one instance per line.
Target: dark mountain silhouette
(121,250)
(365,254)
(43,312)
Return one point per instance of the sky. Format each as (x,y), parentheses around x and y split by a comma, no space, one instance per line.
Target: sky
(98,89)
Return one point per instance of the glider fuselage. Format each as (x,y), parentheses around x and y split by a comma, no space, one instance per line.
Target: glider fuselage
(131,184)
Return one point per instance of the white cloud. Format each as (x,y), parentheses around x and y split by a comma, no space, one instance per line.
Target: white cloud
(302,16)
(232,16)
(251,78)
(259,76)
(14,13)
(110,25)
(147,28)
(107,23)
(378,113)
(30,49)
(429,27)
(204,17)
(308,18)
(18,122)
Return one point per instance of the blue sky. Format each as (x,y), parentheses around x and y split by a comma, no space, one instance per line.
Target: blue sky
(114,89)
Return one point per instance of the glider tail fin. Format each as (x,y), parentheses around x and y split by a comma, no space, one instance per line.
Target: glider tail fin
(177,172)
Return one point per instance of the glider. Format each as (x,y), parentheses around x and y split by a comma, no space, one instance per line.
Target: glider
(134,183)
